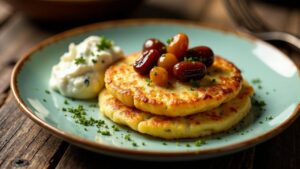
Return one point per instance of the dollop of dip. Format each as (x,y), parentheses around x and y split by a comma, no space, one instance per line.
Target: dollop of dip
(80,72)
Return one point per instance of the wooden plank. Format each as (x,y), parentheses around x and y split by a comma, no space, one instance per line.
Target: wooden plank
(23,143)
(6,12)
(242,160)
(80,159)
(282,151)
(5,82)
(17,36)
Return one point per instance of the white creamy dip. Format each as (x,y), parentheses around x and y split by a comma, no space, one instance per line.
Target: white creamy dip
(80,72)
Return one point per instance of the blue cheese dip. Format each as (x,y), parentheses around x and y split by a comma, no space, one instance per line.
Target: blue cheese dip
(80,72)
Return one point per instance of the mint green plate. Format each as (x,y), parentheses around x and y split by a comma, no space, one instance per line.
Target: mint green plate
(279,89)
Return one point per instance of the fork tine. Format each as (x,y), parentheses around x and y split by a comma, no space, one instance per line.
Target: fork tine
(244,10)
(254,25)
(235,13)
(251,16)
(239,11)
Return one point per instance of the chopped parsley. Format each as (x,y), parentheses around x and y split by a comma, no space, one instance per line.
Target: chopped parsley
(259,103)
(79,114)
(104,44)
(268,118)
(143,144)
(44,100)
(115,128)
(98,123)
(191,58)
(66,102)
(80,60)
(199,143)
(195,83)
(134,144)
(127,137)
(169,40)
(104,133)
(78,110)
(93,105)
(148,81)
(47,91)
(80,117)
(188,145)
(164,143)
(94,61)
(256,81)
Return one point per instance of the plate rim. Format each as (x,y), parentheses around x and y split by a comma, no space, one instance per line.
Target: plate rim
(96,146)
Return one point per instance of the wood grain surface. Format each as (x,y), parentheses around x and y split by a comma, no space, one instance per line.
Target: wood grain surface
(23,144)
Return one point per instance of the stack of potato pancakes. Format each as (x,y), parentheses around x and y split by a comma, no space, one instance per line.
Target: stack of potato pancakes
(182,109)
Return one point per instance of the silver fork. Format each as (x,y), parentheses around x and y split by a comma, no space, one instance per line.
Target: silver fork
(243,15)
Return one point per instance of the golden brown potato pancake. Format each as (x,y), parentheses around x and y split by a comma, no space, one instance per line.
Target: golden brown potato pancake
(201,124)
(222,82)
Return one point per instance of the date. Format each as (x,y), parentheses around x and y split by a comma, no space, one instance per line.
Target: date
(187,70)
(146,61)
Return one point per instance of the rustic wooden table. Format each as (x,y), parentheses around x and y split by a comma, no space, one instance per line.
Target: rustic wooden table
(25,144)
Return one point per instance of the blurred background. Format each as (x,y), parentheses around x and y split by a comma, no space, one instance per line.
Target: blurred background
(38,19)
(77,12)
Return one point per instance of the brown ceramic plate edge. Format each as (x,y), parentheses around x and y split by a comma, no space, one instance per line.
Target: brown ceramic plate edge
(98,147)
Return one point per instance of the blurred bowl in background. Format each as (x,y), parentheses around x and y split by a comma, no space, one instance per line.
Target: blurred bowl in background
(74,10)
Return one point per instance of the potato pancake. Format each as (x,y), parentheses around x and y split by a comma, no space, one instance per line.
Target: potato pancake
(222,82)
(201,124)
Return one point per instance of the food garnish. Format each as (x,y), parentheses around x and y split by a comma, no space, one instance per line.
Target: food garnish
(159,76)
(146,61)
(154,44)
(178,45)
(173,60)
